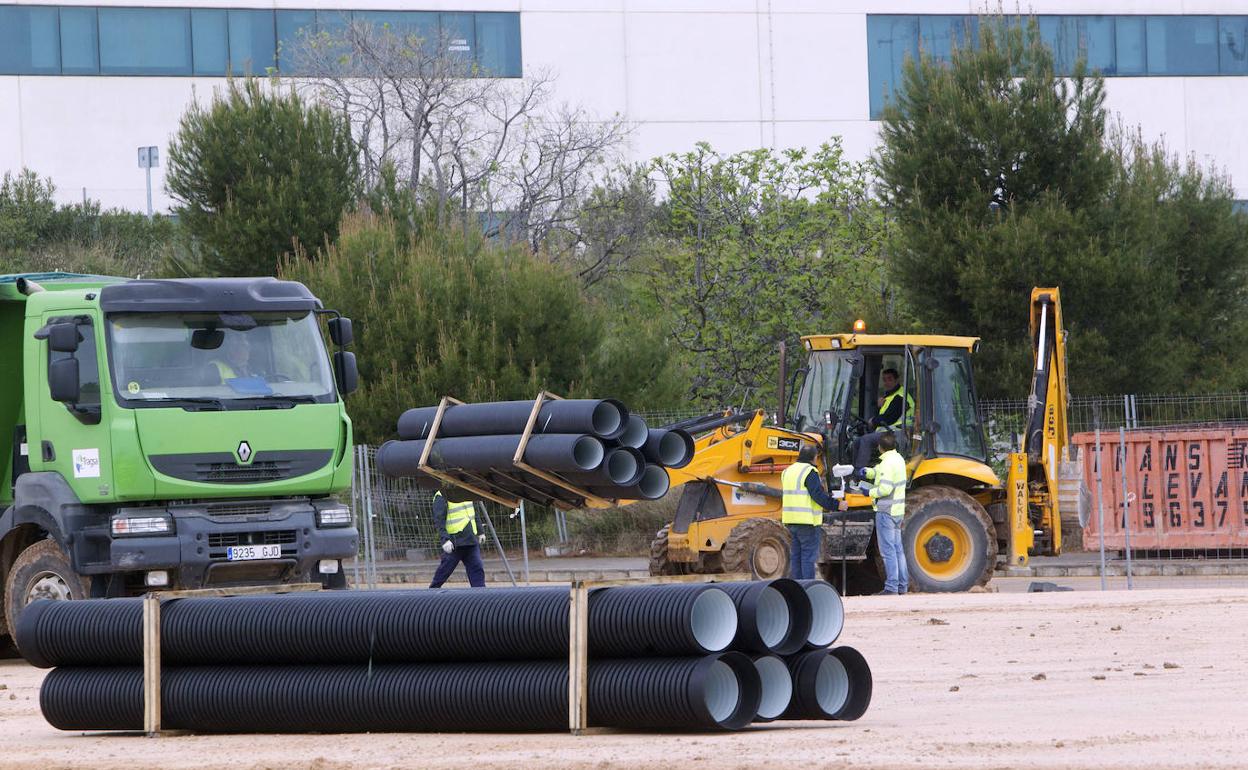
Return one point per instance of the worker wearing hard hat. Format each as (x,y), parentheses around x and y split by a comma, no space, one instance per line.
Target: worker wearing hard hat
(457,525)
(802,492)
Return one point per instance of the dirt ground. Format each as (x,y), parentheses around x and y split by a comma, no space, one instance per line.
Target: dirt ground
(1150,678)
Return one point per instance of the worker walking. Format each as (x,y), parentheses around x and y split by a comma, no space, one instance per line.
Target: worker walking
(802,492)
(457,524)
(888,497)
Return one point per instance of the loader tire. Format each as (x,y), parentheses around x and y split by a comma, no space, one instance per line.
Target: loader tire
(759,547)
(42,571)
(949,541)
(660,564)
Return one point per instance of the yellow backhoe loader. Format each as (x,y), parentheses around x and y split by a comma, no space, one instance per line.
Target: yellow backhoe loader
(961,521)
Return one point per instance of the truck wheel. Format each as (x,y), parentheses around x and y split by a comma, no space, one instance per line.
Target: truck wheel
(759,547)
(949,541)
(41,571)
(660,564)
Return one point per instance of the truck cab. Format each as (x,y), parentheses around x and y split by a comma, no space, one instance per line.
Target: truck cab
(170,434)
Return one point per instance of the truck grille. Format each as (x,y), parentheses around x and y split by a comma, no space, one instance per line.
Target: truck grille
(227,539)
(222,468)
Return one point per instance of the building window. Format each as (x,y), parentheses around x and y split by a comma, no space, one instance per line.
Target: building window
(1115,46)
(86,40)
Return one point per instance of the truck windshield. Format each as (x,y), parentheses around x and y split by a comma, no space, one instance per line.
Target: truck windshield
(223,359)
(825,389)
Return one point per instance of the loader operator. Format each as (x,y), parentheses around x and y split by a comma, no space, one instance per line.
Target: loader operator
(895,410)
(802,491)
(888,497)
(457,524)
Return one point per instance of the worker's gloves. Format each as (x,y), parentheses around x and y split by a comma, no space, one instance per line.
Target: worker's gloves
(447,546)
(481,539)
(860,474)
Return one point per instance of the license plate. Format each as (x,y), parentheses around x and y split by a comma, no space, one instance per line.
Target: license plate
(248,552)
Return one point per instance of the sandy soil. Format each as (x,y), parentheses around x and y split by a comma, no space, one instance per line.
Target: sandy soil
(1155,678)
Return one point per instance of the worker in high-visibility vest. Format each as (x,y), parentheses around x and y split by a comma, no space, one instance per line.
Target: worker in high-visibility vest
(888,497)
(896,410)
(457,524)
(801,512)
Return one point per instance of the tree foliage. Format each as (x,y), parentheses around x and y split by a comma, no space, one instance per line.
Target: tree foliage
(448,312)
(761,247)
(1002,177)
(258,172)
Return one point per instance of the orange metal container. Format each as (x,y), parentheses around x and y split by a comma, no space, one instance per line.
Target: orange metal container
(1187,487)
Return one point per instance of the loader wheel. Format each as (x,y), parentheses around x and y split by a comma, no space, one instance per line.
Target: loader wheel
(42,571)
(759,547)
(949,541)
(659,563)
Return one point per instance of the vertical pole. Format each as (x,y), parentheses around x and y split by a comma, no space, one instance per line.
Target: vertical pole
(149,191)
(578,656)
(1100,505)
(484,509)
(370,555)
(1126,506)
(151,665)
(524,542)
(356,508)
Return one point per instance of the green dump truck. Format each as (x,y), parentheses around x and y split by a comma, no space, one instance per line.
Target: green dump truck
(170,434)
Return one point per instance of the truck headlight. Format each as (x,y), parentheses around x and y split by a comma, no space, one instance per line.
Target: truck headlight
(339,516)
(123,526)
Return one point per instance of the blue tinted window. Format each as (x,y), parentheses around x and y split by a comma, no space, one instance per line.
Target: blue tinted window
(79,53)
(890,41)
(29,41)
(210,42)
(410,25)
(1130,45)
(252,42)
(1182,45)
(459,31)
(1096,43)
(498,44)
(1233,45)
(939,34)
(1061,34)
(293,27)
(145,41)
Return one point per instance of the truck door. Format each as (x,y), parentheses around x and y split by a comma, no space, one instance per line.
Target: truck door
(70,438)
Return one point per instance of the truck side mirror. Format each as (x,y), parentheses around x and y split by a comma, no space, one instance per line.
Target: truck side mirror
(63,380)
(63,337)
(346,374)
(340,331)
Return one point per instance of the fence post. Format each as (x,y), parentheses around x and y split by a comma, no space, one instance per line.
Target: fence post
(1100,505)
(356,507)
(1126,505)
(524,542)
(370,554)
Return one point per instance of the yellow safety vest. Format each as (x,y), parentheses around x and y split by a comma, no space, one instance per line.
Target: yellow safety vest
(459,516)
(906,415)
(888,480)
(225,370)
(798,507)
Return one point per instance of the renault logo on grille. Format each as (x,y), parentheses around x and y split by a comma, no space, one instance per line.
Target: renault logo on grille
(244,451)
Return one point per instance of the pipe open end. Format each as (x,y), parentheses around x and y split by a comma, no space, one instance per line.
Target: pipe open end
(772,616)
(777,686)
(588,453)
(831,685)
(622,466)
(608,418)
(635,433)
(714,620)
(672,449)
(654,482)
(722,691)
(828,613)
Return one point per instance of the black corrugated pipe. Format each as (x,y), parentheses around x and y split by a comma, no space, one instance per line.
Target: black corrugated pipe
(829,684)
(774,615)
(670,448)
(777,687)
(714,692)
(652,485)
(623,466)
(559,452)
(635,434)
(604,418)
(827,613)
(381,626)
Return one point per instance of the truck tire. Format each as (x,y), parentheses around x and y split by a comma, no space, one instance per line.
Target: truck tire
(759,547)
(42,571)
(660,564)
(949,541)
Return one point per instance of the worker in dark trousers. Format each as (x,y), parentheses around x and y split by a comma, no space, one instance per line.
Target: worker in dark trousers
(802,492)
(457,524)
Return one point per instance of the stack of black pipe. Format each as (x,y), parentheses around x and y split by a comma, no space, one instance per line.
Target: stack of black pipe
(675,656)
(594,444)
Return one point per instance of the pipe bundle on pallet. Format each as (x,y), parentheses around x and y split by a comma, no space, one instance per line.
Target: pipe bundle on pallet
(661,656)
(605,418)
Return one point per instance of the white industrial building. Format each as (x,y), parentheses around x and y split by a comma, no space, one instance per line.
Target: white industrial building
(84,84)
